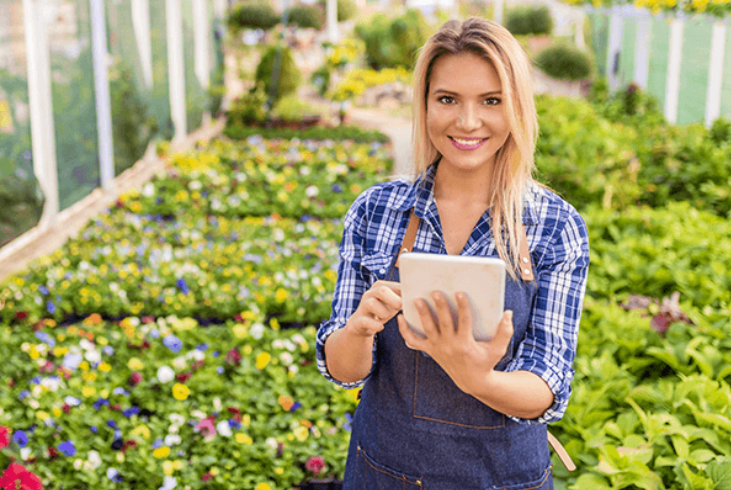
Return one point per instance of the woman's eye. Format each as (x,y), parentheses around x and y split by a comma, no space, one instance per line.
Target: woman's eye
(492,101)
(445,99)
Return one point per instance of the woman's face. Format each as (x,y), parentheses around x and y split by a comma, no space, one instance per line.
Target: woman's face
(465,116)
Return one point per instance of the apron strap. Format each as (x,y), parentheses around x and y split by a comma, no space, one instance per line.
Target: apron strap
(526,266)
(409,238)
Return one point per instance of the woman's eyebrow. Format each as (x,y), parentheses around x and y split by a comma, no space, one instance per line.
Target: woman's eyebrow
(448,92)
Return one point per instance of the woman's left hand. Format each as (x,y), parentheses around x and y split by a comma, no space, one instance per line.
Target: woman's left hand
(463,358)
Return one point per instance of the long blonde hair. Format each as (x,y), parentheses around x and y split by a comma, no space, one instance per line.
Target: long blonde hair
(514,164)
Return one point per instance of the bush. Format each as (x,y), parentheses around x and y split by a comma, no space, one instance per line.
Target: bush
(564,62)
(720,131)
(254,15)
(354,133)
(250,108)
(306,16)
(346,9)
(289,75)
(393,42)
(291,108)
(530,20)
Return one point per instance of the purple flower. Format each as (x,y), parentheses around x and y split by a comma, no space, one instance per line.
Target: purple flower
(43,290)
(68,448)
(295,406)
(112,424)
(183,286)
(158,443)
(172,342)
(23,394)
(202,347)
(131,411)
(44,337)
(20,438)
(94,429)
(50,307)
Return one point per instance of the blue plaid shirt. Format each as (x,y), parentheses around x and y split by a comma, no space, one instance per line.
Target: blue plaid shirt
(559,246)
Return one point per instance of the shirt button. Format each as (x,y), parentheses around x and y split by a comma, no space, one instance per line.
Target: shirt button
(383,271)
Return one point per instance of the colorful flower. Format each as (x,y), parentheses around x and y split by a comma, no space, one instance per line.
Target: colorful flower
(161,452)
(4,436)
(17,477)
(262,360)
(180,391)
(67,448)
(172,342)
(315,464)
(165,374)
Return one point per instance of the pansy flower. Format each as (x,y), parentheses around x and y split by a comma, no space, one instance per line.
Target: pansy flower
(17,476)
(67,448)
(20,438)
(172,342)
(4,436)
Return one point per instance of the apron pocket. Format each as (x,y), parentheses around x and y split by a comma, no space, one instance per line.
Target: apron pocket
(437,398)
(545,482)
(370,475)
(376,265)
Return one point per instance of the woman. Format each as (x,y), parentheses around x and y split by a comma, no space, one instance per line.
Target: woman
(447,412)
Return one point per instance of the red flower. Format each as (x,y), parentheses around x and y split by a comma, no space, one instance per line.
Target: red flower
(130,443)
(233,357)
(206,477)
(183,377)
(4,436)
(206,426)
(17,477)
(21,315)
(315,464)
(52,452)
(135,379)
(11,383)
(66,408)
(48,367)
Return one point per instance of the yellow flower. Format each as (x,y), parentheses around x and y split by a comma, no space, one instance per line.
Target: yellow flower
(213,471)
(244,439)
(60,351)
(88,391)
(178,465)
(161,452)
(263,486)
(239,331)
(135,364)
(180,391)
(279,471)
(42,415)
(104,367)
(168,468)
(34,354)
(262,360)
(246,420)
(280,295)
(142,431)
(301,433)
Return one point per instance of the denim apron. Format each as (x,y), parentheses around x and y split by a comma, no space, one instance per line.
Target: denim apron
(414,429)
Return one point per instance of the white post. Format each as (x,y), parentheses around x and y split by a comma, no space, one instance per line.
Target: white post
(101,89)
(674,61)
(332,21)
(41,107)
(715,73)
(497,14)
(202,48)
(141,24)
(219,8)
(579,33)
(642,50)
(615,47)
(176,68)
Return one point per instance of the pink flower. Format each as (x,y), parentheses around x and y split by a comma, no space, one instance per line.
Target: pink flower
(4,436)
(206,427)
(315,464)
(17,477)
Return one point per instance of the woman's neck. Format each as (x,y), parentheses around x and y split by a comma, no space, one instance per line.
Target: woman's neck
(466,187)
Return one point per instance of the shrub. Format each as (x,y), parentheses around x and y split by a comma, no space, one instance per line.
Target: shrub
(564,62)
(530,20)
(254,15)
(337,133)
(393,42)
(292,108)
(346,10)
(306,16)
(249,108)
(289,75)
(720,131)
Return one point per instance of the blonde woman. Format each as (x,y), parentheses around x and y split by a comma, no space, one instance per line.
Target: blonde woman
(447,412)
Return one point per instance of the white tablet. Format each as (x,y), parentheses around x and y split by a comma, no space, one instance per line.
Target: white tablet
(481,278)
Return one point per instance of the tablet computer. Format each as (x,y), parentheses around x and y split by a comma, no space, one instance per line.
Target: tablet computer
(481,278)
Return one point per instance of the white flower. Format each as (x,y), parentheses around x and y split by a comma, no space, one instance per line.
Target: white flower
(277,344)
(165,374)
(180,363)
(223,428)
(78,464)
(289,346)
(93,356)
(94,459)
(257,330)
(311,191)
(52,383)
(217,404)
(169,483)
(148,190)
(304,170)
(286,358)
(172,440)
(271,442)
(298,339)
(293,369)
(177,419)
(195,185)
(25,453)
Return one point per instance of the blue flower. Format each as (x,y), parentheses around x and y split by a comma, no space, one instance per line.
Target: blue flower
(183,286)
(295,406)
(155,333)
(94,429)
(220,370)
(216,353)
(71,361)
(35,380)
(44,337)
(72,401)
(120,391)
(112,424)
(99,402)
(114,475)
(20,438)
(158,443)
(348,421)
(202,347)
(68,448)
(43,290)
(50,307)
(337,189)
(233,424)
(131,411)
(108,350)
(172,342)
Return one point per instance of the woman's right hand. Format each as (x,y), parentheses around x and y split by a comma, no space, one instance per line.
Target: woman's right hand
(378,305)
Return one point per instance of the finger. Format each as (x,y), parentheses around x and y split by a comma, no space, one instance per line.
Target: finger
(464,316)
(392,285)
(412,341)
(431,329)
(365,325)
(444,314)
(388,297)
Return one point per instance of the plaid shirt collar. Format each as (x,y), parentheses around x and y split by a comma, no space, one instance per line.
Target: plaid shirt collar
(421,196)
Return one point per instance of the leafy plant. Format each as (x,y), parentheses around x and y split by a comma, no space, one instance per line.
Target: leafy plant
(253,15)
(393,42)
(306,16)
(278,60)
(564,62)
(529,21)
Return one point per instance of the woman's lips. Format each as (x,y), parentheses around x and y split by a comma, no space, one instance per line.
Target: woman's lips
(467,143)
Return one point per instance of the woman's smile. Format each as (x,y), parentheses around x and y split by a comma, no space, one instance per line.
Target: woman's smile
(467,143)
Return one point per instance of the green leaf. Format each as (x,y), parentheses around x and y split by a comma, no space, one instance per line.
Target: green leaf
(702,455)
(681,446)
(720,473)
(715,419)
(590,481)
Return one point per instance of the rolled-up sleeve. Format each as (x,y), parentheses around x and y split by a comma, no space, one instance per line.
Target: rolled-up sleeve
(350,285)
(549,346)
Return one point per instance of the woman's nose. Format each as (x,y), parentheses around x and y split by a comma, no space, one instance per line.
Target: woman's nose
(468,119)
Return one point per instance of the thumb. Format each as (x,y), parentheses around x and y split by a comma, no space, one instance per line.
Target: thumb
(504,332)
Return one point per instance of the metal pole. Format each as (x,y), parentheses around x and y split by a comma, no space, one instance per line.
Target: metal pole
(103,100)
